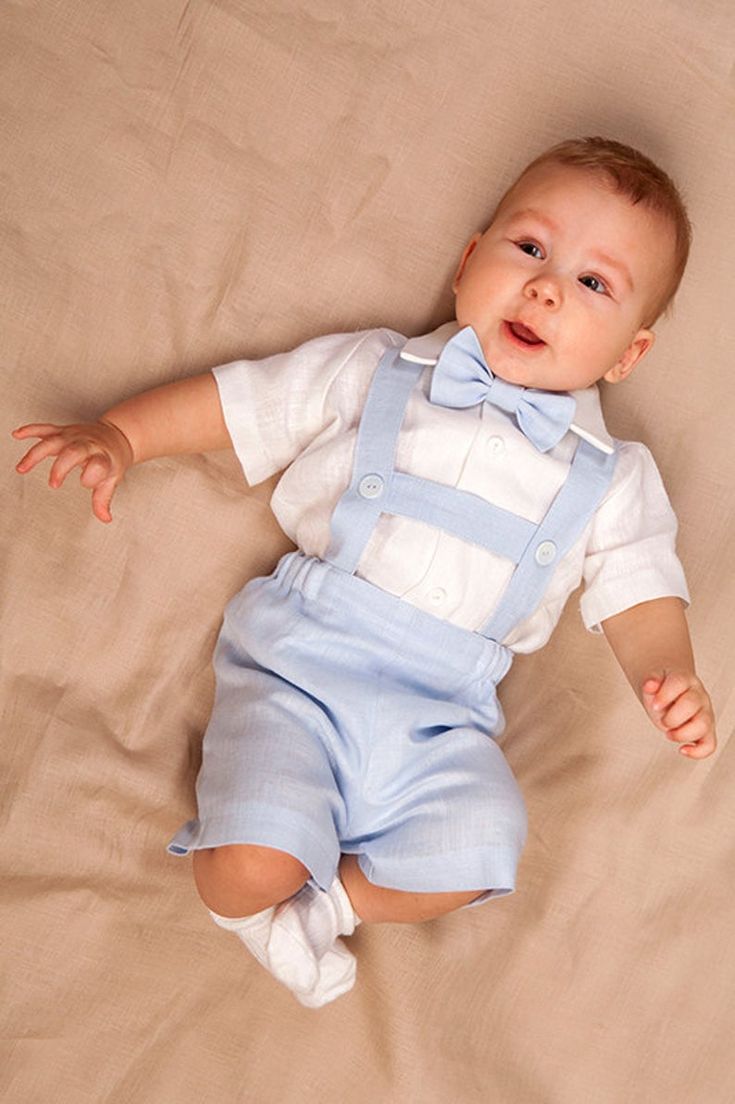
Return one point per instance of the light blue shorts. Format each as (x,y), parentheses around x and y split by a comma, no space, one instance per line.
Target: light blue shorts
(347,720)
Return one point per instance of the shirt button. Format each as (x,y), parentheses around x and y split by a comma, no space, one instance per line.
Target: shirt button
(437,595)
(370,486)
(545,553)
(495,445)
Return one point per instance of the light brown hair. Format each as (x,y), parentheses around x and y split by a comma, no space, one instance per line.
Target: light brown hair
(634,175)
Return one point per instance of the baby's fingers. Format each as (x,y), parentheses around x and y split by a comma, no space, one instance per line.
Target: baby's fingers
(683,709)
(697,736)
(651,703)
(101,499)
(49,446)
(697,733)
(35,429)
(700,749)
(70,457)
(97,468)
(97,475)
(673,703)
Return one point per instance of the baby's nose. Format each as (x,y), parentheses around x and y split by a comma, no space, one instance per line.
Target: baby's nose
(545,289)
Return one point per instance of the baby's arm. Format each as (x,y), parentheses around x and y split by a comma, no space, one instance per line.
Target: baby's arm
(652,645)
(185,416)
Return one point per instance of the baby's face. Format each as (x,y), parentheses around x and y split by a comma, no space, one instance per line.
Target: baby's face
(557,288)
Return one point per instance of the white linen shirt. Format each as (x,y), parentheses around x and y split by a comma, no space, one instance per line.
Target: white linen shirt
(300,410)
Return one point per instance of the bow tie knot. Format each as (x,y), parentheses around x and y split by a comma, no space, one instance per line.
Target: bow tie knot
(462,378)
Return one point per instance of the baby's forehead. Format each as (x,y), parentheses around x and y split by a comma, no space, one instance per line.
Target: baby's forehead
(556,194)
(543,183)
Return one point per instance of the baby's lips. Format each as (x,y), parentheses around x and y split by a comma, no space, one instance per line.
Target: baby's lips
(525,333)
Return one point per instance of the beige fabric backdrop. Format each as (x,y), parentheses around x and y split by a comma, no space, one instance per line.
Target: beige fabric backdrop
(184,183)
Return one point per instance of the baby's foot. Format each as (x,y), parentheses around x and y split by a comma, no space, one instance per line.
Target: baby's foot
(298,942)
(306,927)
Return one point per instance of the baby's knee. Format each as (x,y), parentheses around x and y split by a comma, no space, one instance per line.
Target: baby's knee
(241,879)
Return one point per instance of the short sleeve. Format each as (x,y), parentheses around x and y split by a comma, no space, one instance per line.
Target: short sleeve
(275,407)
(631,554)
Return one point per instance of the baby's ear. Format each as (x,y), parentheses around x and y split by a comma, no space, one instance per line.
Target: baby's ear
(639,346)
(469,250)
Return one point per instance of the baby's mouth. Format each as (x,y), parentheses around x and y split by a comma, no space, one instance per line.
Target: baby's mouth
(524,334)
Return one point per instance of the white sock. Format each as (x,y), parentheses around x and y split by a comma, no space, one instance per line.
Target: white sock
(297,942)
(321,916)
(307,926)
(254,931)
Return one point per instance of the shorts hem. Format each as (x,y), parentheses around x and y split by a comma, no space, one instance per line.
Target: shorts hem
(492,875)
(295,838)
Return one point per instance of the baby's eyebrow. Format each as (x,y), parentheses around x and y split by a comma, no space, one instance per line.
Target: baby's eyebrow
(531,212)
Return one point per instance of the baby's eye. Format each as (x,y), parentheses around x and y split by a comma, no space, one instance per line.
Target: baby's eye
(594,284)
(531,248)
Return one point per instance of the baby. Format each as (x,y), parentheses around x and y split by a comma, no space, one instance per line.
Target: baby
(446,495)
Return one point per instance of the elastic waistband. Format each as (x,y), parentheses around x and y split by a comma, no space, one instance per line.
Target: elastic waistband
(393,618)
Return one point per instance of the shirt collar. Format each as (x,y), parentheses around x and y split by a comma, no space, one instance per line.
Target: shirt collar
(588,421)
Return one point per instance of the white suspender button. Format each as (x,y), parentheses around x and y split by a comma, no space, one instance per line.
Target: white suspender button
(545,553)
(370,486)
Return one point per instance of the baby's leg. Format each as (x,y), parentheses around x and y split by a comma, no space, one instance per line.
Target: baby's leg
(259,894)
(375,904)
(243,879)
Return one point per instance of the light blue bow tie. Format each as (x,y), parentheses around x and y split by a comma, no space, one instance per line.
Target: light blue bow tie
(462,378)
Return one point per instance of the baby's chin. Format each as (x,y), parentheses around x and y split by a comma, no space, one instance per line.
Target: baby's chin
(510,370)
(541,377)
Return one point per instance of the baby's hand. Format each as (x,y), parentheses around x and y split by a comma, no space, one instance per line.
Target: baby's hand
(679,705)
(101,450)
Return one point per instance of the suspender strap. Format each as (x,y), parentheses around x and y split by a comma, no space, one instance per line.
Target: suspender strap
(359,508)
(571,510)
(376,488)
(461,513)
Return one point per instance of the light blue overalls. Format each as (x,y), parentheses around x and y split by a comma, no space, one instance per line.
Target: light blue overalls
(348,720)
